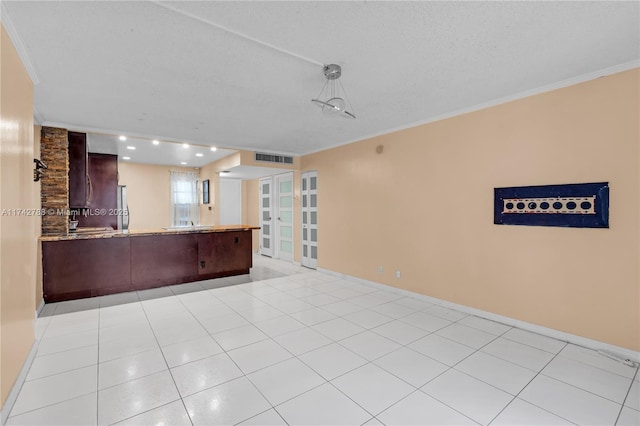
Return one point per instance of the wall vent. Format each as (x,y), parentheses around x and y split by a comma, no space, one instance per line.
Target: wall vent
(271,158)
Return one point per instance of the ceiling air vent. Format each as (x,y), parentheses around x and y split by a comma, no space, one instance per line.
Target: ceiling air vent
(271,158)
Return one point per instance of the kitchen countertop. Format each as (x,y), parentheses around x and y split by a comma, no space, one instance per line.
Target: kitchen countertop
(142,232)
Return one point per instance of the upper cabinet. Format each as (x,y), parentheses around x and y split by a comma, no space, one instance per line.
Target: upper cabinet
(78,170)
(103,190)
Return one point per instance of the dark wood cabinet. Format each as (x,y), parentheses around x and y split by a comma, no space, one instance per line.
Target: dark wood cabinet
(103,189)
(78,177)
(228,251)
(159,260)
(74,268)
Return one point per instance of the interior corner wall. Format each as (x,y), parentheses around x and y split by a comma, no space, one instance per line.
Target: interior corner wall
(424,206)
(19,229)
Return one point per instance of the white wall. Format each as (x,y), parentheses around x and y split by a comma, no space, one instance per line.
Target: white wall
(230,202)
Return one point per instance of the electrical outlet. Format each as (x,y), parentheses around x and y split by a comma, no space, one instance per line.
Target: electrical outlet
(398,273)
(379,269)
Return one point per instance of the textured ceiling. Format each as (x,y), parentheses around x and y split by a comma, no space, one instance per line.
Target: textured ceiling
(242,74)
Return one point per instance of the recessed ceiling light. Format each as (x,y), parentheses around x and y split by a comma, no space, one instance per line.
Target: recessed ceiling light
(123,138)
(199,154)
(156,142)
(183,163)
(185,145)
(126,158)
(131,147)
(214,149)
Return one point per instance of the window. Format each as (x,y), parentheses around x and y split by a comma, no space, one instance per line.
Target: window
(184,198)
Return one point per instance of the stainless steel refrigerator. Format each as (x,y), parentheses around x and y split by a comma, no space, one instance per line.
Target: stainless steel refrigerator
(123,209)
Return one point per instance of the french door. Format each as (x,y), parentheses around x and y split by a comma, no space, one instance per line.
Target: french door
(276,216)
(310,219)
(284,217)
(266,217)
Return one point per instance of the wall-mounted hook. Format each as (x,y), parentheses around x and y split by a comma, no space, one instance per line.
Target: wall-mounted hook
(38,171)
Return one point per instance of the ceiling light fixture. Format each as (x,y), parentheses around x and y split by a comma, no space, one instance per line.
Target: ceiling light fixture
(131,147)
(184,163)
(185,145)
(126,158)
(199,154)
(332,92)
(122,138)
(155,142)
(214,149)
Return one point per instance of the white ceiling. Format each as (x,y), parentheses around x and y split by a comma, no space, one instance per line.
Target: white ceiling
(144,151)
(242,74)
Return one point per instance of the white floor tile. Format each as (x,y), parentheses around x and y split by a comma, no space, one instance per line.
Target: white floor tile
(497,372)
(425,321)
(412,303)
(179,333)
(324,405)
(332,360)
(593,358)
(67,342)
(475,399)
(485,325)
(54,389)
(445,313)
(227,404)
(393,310)
(114,349)
(258,355)
(280,325)
(412,367)
(261,313)
(241,336)
(535,340)
(313,316)
(569,402)
(205,373)
(373,422)
(368,300)
(140,329)
(320,299)
(592,379)
(303,340)
(420,409)
(173,414)
(372,388)
(192,350)
(633,399)
(466,335)
(517,353)
(344,293)
(368,318)
(338,329)
(628,417)
(285,380)
(441,349)
(369,345)
(60,362)
(132,398)
(129,368)
(341,308)
(78,411)
(400,332)
(61,329)
(521,413)
(292,306)
(221,323)
(268,418)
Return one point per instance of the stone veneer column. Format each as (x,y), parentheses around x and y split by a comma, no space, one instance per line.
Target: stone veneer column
(54,152)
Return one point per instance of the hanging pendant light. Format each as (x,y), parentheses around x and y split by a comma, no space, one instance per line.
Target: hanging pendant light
(332,96)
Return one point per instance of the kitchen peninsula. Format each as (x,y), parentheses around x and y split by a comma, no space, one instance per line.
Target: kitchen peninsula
(94,264)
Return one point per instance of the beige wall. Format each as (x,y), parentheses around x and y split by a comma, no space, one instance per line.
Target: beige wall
(148,193)
(18,233)
(425,207)
(36,201)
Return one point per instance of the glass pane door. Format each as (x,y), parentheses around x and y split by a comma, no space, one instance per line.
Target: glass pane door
(309,192)
(284,246)
(266,216)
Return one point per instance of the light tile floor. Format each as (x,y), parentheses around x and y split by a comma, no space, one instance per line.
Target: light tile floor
(287,345)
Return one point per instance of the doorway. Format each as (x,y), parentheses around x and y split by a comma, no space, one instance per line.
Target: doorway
(309,191)
(276,216)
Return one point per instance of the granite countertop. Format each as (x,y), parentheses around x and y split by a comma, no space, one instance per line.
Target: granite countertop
(88,233)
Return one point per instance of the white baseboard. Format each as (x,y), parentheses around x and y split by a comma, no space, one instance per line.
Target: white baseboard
(620,352)
(40,308)
(15,389)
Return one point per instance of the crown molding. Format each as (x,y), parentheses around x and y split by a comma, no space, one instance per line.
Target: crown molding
(18,44)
